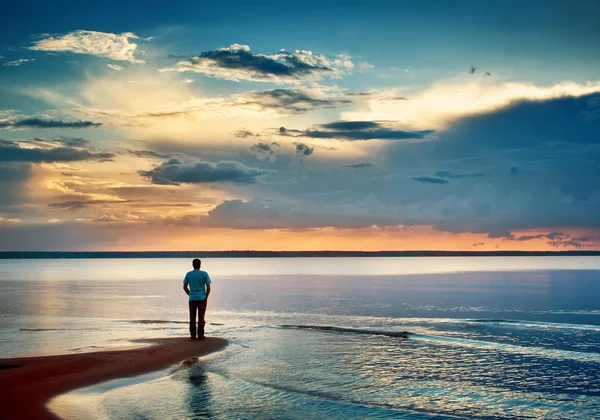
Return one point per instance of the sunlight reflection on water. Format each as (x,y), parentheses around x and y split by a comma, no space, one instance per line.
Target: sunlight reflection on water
(499,338)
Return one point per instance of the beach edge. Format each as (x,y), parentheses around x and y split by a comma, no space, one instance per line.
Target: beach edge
(31,382)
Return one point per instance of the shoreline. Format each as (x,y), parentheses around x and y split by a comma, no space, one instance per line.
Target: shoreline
(29,383)
(26,255)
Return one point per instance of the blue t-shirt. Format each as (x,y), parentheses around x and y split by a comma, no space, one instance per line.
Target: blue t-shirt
(197,279)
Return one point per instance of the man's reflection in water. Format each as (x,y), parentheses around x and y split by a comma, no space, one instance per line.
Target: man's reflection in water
(198,395)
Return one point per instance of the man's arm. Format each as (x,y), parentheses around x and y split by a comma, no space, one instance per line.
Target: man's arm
(186,289)
(207,290)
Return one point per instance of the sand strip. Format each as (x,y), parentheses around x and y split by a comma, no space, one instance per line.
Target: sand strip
(27,384)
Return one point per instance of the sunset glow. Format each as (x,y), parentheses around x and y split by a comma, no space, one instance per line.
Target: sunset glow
(203,130)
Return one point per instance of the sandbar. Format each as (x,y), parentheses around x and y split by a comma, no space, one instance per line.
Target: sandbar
(28,383)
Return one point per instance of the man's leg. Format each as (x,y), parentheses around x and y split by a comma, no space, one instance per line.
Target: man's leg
(201,313)
(193,308)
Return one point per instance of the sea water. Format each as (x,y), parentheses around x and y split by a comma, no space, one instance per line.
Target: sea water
(497,337)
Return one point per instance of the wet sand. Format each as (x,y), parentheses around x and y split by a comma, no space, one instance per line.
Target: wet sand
(27,384)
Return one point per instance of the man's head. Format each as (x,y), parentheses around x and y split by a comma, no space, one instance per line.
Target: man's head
(196,264)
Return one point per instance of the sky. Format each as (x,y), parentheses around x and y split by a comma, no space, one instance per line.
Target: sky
(338,125)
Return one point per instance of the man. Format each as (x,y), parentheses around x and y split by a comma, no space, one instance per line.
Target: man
(197,286)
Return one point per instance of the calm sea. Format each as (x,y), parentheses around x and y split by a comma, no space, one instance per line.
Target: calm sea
(489,338)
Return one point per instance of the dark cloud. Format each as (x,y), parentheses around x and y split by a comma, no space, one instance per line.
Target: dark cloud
(551,236)
(175,171)
(351,125)
(79,204)
(293,101)
(260,214)
(67,141)
(593,112)
(304,149)
(265,150)
(149,154)
(243,134)
(428,179)
(289,132)
(43,123)
(567,244)
(454,175)
(356,131)
(540,165)
(12,152)
(238,63)
(13,177)
(360,165)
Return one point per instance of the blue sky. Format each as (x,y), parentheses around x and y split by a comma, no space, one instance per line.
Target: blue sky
(452,125)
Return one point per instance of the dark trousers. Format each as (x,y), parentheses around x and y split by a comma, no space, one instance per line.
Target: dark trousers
(200,307)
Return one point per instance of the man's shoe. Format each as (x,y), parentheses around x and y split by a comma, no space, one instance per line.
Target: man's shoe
(192,338)
(202,338)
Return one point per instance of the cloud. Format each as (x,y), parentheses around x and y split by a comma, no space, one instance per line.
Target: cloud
(427,179)
(12,152)
(265,151)
(365,67)
(175,171)
(447,101)
(553,236)
(45,123)
(101,44)
(360,165)
(304,149)
(292,101)
(67,141)
(263,214)
(114,67)
(13,179)
(80,204)
(567,244)
(258,214)
(150,154)
(18,62)
(356,131)
(237,63)
(454,175)
(243,133)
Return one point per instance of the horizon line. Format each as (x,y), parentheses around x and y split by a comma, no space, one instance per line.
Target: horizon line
(255,253)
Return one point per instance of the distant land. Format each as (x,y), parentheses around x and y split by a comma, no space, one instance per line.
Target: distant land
(282,254)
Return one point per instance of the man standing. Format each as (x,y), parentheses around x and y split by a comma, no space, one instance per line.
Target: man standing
(197,286)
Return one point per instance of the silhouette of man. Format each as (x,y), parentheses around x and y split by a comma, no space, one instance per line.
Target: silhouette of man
(197,286)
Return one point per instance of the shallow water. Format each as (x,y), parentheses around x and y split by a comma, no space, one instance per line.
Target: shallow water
(486,337)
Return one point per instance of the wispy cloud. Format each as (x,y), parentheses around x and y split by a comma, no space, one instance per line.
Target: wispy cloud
(455,175)
(365,67)
(16,63)
(13,152)
(428,179)
(46,123)
(356,131)
(101,44)
(114,67)
(62,140)
(80,204)
(237,63)
(293,101)
(242,133)
(359,165)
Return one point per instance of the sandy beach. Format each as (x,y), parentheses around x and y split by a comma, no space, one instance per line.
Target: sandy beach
(29,383)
